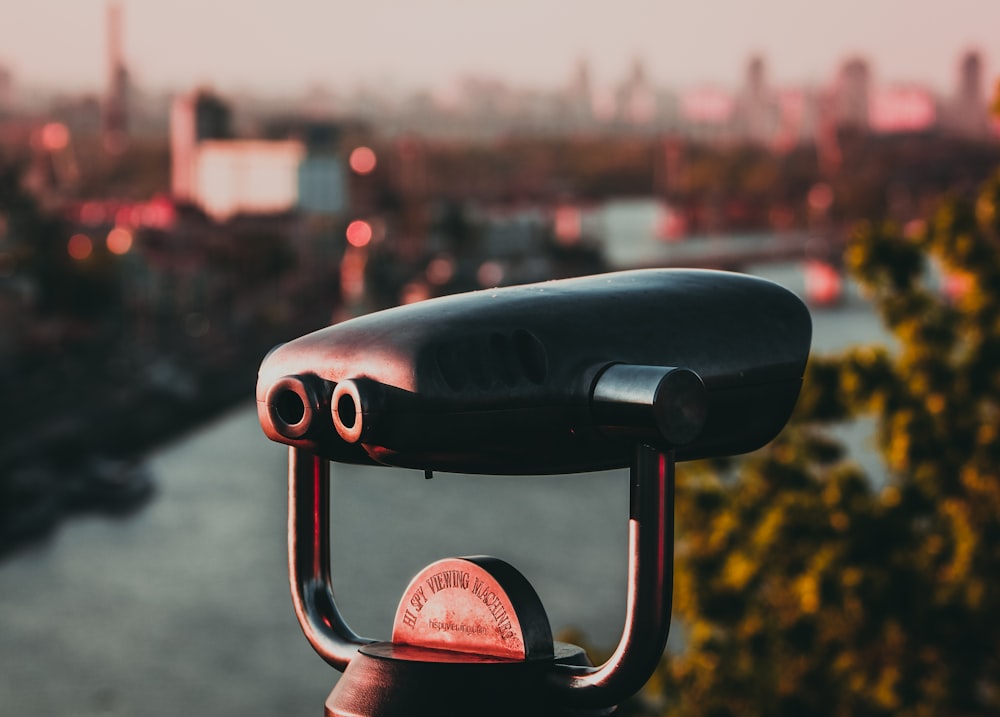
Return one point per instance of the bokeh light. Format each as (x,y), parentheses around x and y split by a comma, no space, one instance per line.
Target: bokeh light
(821,197)
(414,292)
(440,270)
(567,225)
(823,284)
(119,241)
(80,246)
(359,233)
(92,213)
(490,274)
(55,136)
(363,160)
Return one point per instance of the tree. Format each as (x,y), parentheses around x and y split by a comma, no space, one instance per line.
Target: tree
(35,245)
(805,587)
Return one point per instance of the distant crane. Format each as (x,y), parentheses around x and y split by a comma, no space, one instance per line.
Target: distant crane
(115,125)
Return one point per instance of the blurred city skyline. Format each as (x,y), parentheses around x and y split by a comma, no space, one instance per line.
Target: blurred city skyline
(289,47)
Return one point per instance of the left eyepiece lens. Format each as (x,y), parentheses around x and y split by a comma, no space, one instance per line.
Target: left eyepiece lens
(291,404)
(289,407)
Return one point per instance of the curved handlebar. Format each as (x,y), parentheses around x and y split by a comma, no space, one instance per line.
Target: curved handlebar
(650,590)
(650,579)
(309,560)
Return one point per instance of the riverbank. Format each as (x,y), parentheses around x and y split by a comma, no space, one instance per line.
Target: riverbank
(77,431)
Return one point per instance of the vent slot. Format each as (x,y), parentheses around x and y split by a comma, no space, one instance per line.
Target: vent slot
(489,360)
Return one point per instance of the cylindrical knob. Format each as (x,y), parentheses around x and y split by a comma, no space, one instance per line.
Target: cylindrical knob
(663,405)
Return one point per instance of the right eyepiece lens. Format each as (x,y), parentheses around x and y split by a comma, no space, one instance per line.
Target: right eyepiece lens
(347,410)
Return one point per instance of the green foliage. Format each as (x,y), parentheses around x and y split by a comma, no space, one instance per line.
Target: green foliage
(805,587)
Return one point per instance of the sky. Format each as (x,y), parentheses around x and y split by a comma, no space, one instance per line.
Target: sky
(286,46)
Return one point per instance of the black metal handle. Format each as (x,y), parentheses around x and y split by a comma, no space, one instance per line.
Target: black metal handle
(309,560)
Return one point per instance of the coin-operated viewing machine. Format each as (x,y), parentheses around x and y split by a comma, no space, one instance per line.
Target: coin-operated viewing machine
(640,369)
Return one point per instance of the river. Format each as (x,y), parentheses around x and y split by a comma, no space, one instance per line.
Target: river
(183,608)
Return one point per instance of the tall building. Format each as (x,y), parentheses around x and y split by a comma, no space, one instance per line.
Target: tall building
(636,98)
(6,90)
(851,94)
(968,114)
(115,119)
(296,166)
(759,113)
(970,77)
(579,97)
(194,118)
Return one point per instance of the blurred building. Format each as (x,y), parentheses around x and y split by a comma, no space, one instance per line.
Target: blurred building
(758,113)
(322,185)
(636,98)
(798,118)
(707,114)
(851,94)
(194,118)
(902,108)
(968,114)
(115,119)
(296,165)
(247,176)
(580,98)
(6,90)
(82,114)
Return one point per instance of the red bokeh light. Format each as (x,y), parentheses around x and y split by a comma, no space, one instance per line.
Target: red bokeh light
(957,285)
(359,233)
(363,160)
(440,270)
(489,274)
(567,225)
(671,225)
(119,241)
(79,246)
(820,197)
(92,213)
(823,283)
(158,212)
(55,136)
(414,292)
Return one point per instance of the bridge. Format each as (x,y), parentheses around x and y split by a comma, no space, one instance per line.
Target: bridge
(733,252)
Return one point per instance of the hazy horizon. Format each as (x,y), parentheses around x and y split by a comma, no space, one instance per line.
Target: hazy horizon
(284,48)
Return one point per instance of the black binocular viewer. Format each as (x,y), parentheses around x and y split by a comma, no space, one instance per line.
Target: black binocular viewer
(639,368)
(558,377)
